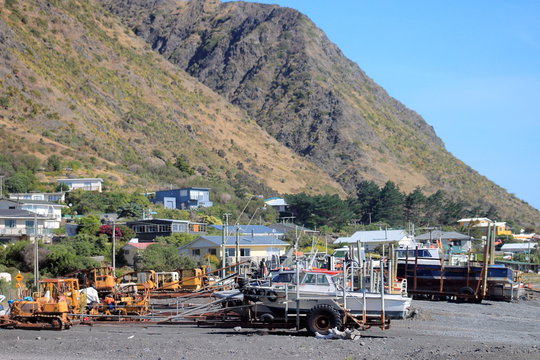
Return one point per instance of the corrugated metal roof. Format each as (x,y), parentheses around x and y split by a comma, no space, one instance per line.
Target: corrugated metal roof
(517,246)
(444,235)
(375,236)
(246,240)
(246,229)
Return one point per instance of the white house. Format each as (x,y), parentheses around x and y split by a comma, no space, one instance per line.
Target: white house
(279,204)
(18,224)
(516,248)
(49,210)
(88,184)
(43,196)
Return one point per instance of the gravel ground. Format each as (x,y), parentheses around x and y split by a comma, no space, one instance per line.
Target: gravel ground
(442,330)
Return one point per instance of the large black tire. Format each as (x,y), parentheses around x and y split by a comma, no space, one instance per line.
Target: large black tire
(321,318)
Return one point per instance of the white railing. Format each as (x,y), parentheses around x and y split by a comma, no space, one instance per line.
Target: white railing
(24,231)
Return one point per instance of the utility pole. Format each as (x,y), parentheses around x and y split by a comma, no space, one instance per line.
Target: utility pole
(113,247)
(36,253)
(1,186)
(223,244)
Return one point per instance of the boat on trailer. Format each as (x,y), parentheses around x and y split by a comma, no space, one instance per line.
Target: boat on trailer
(319,285)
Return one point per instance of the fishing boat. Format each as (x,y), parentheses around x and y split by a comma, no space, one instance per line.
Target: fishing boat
(320,285)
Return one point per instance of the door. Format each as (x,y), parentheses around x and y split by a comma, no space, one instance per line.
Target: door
(169,202)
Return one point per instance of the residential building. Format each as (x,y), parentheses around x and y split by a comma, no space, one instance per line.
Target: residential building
(253,230)
(87,184)
(279,204)
(132,250)
(459,243)
(148,230)
(373,238)
(518,248)
(184,199)
(483,225)
(253,248)
(16,224)
(42,196)
(51,210)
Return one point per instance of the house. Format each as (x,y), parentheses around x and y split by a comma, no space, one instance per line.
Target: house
(253,230)
(16,224)
(459,243)
(87,184)
(372,238)
(518,248)
(43,196)
(148,230)
(52,211)
(253,248)
(483,224)
(184,199)
(279,204)
(132,250)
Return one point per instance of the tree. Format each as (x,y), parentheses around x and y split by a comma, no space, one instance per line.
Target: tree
(367,193)
(161,257)
(62,260)
(176,239)
(182,164)
(319,210)
(54,163)
(21,181)
(414,206)
(433,209)
(88,225)
(390,205)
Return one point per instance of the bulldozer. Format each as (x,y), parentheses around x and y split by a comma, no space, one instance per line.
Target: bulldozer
(49,308)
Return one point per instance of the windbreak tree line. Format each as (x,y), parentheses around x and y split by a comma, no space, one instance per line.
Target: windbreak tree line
(373,204)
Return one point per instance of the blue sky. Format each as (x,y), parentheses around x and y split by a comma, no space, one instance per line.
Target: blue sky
(470,68)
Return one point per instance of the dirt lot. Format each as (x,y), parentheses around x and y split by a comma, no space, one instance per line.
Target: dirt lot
(442,330)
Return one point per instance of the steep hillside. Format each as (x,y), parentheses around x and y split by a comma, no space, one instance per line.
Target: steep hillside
(76,83)
(278,66)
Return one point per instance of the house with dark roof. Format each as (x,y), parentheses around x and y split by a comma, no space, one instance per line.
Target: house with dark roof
(148,230)
(457,242)
(249,247)
(16,224)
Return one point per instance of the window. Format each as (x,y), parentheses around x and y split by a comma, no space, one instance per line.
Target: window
(10,223)
(310,279)
(179,228)
(322,279)
(29,223)
(230,252)
(196,252)
(245,252)
(212,252)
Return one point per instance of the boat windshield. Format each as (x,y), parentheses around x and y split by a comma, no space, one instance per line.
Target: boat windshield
(316,279)
(422,253)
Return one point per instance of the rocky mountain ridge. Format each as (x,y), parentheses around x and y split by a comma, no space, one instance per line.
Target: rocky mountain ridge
(278,66)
